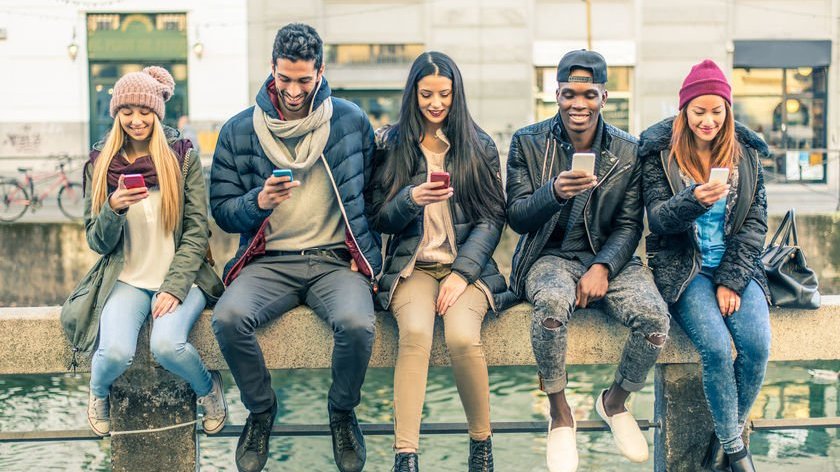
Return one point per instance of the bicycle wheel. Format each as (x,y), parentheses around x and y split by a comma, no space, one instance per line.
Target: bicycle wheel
(71,201)
(14,200)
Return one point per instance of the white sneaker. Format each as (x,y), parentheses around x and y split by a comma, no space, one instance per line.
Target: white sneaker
(561,448)
(214,405)
(625,431)
(99,415)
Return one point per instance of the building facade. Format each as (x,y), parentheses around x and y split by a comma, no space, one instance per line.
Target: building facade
(60,61)
(62,57)
(777,53)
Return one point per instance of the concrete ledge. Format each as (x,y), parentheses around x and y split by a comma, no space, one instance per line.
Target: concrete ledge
(32,341)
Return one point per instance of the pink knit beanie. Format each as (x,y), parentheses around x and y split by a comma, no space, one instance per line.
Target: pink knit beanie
(705,78)
(149,88)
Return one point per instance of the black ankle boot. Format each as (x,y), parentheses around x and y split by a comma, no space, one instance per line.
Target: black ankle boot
(715,459)
(743,464)
(481,455)
(406,462)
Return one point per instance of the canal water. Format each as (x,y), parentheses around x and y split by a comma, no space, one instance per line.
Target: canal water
(59,402)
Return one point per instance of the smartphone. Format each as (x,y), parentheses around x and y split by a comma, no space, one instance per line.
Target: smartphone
(584,161)
(719,175)
(134,180)
(283,173)
(440,177)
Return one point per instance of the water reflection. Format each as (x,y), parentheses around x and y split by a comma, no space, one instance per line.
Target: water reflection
(58,402)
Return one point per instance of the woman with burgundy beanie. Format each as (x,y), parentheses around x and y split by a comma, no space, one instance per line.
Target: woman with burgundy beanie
(146,214)
(707,211)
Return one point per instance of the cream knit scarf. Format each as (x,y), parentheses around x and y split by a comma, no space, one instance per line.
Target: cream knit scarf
(315,129)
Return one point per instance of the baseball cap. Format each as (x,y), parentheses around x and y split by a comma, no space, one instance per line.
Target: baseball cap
(582,59)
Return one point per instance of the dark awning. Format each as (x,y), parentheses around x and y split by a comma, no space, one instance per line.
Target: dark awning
(782,53)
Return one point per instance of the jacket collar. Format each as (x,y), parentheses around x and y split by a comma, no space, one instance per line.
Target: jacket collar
(264,100)
(559,133)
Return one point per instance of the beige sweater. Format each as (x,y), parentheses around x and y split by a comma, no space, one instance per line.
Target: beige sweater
(310,218)
(148,247)
(438,231)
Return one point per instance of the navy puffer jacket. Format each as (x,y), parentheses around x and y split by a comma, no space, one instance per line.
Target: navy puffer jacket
(403,219)
(240,168)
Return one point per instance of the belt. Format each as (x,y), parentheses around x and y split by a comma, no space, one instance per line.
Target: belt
(337,253)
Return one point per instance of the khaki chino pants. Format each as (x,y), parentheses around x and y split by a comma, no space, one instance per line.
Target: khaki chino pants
(413,306)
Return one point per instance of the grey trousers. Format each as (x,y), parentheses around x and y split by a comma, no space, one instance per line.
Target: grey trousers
(632,299)
(271,285)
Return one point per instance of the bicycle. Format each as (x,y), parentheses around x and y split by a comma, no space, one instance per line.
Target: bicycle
(16,198)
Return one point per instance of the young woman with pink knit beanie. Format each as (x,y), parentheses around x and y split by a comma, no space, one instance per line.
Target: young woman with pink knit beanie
(146,215)
(707,211)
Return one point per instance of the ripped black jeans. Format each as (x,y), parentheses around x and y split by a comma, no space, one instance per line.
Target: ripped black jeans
(632,299)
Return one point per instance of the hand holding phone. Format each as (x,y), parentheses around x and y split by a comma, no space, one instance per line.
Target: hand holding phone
(717,187)
(580,178)
(432,191)
(125,196)
(274,192)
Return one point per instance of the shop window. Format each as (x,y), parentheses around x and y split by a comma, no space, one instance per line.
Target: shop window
(787,108)
(381,106)
(371,54)
(619,85)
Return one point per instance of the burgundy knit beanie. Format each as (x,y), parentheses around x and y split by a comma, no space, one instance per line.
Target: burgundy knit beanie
(705,78)
(149,88)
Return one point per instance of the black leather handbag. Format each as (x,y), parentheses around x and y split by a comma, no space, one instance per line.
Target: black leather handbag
(792,283)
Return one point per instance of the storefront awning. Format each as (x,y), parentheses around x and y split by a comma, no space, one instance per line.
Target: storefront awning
(782,53)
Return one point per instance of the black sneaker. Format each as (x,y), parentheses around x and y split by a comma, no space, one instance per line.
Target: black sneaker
(347,441)
(481,455)
(252,448)
(406,462)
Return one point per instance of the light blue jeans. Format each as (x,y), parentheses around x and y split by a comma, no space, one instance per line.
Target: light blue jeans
(730,387)
(122,317)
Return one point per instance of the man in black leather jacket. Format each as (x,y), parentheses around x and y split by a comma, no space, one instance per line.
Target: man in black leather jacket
(579,232)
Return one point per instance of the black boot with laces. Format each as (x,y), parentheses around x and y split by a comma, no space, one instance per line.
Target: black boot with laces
(252,448)
(347,440)
(481,455)
(406,462)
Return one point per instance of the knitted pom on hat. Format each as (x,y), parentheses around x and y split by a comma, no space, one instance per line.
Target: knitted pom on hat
(149,88)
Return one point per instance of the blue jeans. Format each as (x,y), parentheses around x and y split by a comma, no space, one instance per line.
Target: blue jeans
(122,317)
(730,387)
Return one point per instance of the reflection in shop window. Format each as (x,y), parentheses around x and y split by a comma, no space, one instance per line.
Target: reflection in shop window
(108,22)
(616,111)
(787,108)
(361,54)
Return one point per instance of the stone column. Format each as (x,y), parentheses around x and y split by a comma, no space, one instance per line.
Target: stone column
(147,397)
(685,422)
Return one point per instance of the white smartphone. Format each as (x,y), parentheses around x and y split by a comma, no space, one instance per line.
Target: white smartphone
(719,175)
(584,161)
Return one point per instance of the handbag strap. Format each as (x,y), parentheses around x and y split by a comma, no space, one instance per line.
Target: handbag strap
(784,230)
(793,227)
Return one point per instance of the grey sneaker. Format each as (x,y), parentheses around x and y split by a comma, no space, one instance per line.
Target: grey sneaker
(99,415)
(214,405)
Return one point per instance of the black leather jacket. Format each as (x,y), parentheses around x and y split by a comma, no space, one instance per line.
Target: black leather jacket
(672,249)
(613,216)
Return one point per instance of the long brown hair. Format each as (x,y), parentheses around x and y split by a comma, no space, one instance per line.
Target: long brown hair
(725,148)
(166,166)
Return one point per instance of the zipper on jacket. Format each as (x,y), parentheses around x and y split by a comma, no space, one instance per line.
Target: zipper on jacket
(346,220)
(693,239)
(589,198)
(411,262)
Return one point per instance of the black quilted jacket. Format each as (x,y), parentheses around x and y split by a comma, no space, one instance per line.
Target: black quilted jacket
(401,218)
(613,215)
(672,247)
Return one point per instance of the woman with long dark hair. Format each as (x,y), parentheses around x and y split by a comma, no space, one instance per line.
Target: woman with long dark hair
(439,256)
(707,209)
(146,215)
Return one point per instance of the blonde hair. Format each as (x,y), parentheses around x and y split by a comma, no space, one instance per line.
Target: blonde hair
(725,148)
(164,161)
